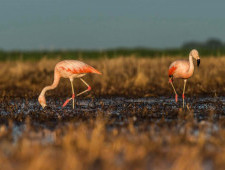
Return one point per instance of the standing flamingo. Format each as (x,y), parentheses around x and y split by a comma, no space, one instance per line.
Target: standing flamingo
(68,69)
(183,69)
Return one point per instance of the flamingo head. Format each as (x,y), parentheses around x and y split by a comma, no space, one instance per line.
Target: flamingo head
(195,55)
(42,101)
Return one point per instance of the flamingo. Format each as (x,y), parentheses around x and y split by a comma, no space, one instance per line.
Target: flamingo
(68,69)
(183,69)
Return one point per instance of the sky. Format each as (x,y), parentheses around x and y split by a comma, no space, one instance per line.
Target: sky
(102,24)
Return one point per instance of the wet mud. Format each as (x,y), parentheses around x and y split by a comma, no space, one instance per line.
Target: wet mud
(160,131)
(118,111)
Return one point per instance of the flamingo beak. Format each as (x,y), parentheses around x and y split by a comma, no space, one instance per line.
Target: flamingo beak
(43,105)
(198,62)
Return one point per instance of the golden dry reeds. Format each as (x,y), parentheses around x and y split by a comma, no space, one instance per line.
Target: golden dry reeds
(90,145)
(128,76)
(137,138)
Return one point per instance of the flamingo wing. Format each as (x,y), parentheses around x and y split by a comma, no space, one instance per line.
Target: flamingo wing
(76,67)
(172,69)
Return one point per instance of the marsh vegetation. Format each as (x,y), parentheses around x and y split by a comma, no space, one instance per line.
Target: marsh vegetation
(128,121)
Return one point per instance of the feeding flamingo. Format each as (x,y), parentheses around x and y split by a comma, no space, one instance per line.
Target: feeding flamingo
(68,69)
(183,69)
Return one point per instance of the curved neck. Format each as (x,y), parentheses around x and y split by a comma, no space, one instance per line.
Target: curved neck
(54,84)
(191,65)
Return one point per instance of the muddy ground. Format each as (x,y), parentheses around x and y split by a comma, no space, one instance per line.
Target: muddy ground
(158,124)
(128,121)
(119,108)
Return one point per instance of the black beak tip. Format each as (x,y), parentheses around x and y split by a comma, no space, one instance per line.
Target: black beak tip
(198,62)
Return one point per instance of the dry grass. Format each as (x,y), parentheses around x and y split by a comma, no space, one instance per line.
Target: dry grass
(94,141)
(121,76)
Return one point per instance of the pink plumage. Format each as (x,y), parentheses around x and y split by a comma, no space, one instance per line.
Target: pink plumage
(181,69)
(70,67)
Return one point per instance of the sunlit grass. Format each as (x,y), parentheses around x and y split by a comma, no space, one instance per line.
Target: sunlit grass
(128,76)
(97,141)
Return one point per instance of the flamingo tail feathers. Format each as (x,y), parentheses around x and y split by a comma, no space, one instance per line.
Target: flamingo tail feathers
(92,70)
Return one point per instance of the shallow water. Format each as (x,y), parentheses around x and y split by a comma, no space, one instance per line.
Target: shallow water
(141,110)
(116,104)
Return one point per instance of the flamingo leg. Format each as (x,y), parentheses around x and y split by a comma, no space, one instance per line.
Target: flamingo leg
(73,95)
(176,96)
(185,81)
(88,89)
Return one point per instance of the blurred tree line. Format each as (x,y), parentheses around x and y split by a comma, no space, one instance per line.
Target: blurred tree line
(212,47)
(212,44)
